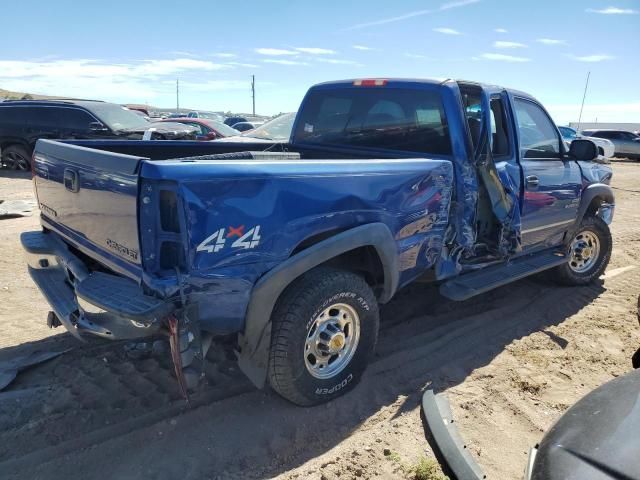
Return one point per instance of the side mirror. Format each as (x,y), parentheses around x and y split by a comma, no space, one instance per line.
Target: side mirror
(211,136)
(637,139)
(97,127)
(583,150)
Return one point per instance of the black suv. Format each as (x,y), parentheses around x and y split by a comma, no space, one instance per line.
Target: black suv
(23,122)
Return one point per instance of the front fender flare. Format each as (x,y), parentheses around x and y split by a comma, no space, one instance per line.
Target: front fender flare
(253,357)
(592,191)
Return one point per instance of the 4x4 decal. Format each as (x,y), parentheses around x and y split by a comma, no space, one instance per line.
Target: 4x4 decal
(218,239)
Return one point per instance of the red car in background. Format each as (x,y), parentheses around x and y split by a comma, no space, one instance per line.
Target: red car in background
(208,129)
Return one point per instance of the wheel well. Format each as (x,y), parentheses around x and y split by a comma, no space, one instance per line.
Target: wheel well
(10,143)
(600,151)
(363,261)
(593,207)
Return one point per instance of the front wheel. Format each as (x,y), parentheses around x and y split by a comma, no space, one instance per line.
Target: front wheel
(325,327)
(589,253)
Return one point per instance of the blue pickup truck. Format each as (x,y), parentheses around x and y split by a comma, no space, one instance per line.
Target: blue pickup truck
(289,248)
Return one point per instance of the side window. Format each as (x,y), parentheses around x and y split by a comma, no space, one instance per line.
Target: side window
(538,135)
(499,131)
(74,118)
(200,130)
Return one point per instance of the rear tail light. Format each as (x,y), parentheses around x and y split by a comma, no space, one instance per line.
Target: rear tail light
(370,82)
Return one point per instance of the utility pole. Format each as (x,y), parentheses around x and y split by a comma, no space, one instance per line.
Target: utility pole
(583,97)
(177,95)
(253,93)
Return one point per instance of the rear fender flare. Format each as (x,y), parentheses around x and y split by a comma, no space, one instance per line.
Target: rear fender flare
(255,342)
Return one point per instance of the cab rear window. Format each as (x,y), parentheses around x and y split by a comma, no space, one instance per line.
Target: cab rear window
(394,119)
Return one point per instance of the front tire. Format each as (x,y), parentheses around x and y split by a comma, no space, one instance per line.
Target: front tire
(589,253)
(324,330)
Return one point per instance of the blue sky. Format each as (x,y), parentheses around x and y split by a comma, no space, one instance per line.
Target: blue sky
(133,51)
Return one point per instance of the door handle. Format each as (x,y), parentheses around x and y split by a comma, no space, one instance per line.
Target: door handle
(532,181)
(71,180)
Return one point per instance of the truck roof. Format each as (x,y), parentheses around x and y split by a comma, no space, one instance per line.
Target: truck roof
(45,103)
(424,81)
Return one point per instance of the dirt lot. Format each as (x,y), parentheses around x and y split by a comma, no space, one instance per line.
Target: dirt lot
(510,362)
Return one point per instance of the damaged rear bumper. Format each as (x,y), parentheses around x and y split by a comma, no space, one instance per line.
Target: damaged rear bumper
(98,303)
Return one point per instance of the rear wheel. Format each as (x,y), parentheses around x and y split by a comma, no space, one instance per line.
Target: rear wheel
(325,328)
(589,253)
(16,157)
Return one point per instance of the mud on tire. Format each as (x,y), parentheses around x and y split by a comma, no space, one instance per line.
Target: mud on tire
(592,226)
(304,305)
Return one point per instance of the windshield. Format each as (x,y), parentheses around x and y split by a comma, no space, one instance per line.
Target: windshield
(409,120)
(278,129)
(567,133)
(225,130)
(117,117)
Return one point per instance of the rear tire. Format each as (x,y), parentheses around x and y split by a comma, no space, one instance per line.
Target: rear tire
(325,328)
(16,157)
(589,253)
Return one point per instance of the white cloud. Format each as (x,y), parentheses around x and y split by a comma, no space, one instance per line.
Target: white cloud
(417,13)
(224,55)
(504,58)
(500,44)
(613,11)
(180,53)
(316,51)
(591,58)
(284,62)
(338,61)
(87,68)
(240,64)
(361,47)
(89,78)
(447,31)
(500,30)
(460,3)
(277,52)
(551,41)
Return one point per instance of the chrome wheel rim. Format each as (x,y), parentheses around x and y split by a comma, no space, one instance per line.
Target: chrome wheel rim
(585,249)
(331,340)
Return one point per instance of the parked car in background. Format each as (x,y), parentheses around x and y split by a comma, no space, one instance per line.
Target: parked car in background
(176,115)
(23,122)
(244,126)
(207,129)
(208,115)
(275,130)
(626,144)
(163,130)
(231,121)
(605,147)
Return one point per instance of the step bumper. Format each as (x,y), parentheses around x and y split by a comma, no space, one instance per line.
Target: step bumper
(97,303)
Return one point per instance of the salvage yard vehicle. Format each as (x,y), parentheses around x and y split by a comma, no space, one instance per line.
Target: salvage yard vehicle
(23,122)
(290,247)
(605,147)
(626,144)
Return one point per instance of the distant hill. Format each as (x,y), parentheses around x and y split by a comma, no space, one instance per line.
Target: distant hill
(8,94)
